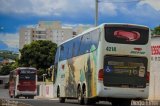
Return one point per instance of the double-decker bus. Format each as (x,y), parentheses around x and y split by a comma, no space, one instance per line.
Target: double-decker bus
(110,62)
(22,82)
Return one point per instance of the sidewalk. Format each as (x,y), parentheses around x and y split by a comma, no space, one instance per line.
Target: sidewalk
(134,103)
(146,103)
(46,98)
(4,102)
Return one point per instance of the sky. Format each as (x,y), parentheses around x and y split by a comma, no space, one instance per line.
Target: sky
(22,13)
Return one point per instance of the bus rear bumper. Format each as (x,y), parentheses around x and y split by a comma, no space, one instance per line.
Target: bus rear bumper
(27,93)
(129,93)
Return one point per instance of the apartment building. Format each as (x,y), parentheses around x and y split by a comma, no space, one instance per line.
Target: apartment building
(48,30)
(80,28)
(45,30)
(25,36)
(60,35)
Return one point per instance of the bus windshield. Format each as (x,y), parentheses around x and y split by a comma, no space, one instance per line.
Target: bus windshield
(124,34)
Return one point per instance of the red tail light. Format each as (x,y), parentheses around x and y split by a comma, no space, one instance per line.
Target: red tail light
(18,87)
(101,75)
(17,72)
(148,77)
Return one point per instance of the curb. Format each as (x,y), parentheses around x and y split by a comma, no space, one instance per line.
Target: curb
(46,98)
(4,102)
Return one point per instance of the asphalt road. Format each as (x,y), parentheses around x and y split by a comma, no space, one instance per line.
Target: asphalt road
(54,102)
(4,93)
(43,102)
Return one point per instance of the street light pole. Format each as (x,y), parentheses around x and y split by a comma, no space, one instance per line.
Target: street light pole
(96,12)
(44,75)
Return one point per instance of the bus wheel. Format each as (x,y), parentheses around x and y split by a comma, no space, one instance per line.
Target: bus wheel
(114,103)
(125,103)
(121,103)
(31,97)
(80,96)
(86,100)
(61,99)
(14,94)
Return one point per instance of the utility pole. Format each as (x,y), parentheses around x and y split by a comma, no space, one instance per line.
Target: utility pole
(96,12)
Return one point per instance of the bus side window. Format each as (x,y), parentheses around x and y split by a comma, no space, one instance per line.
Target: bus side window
(73,49)
(77,45)
(88,43)
(85,44)
(63,51)
(94,39)
(81,45)
(69,46)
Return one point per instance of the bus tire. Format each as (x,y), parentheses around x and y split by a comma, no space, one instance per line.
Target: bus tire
(121,102)
(61,99)
(14,94)
(80,96)
(31,97)
(125,103)
(86,100)
(114,103)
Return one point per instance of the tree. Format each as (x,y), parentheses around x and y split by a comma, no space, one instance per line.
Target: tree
(39,54)
(5,69)
(156,30)
(8,54)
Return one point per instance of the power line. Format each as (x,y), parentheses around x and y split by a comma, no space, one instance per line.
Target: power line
(131,1)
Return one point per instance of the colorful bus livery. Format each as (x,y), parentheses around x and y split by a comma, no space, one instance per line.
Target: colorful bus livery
(23,81)
(99,65)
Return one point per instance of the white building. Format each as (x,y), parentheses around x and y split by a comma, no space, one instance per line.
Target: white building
(60,35)
(49,30)
(39,34)
(45,30)
(155,69)
(25,36)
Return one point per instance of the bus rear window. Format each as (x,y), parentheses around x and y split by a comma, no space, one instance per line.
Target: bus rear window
(27,77)
(125,71)
(27,71)
(126,34)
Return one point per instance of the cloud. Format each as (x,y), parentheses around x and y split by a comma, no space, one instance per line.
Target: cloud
(52,7)
(154,3)
(141,12)
(12,40)
(107,8)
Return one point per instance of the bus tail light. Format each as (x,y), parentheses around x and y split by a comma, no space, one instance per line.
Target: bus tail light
(17,72)
(148,77)
(101,75)
(18,86)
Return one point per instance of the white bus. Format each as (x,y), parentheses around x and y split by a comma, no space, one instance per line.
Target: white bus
(109,62)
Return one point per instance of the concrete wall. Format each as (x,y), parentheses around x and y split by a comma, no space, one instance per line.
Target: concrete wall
(3,80)
(154,92)
(46,90)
